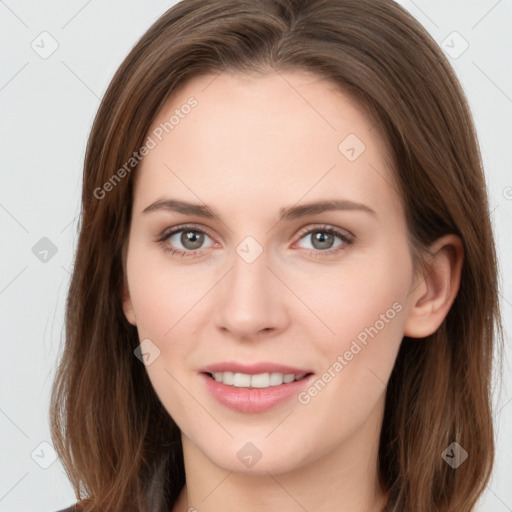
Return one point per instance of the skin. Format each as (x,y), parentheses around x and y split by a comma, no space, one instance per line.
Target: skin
(253,145)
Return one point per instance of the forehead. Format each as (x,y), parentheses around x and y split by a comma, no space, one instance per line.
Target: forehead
(257,139)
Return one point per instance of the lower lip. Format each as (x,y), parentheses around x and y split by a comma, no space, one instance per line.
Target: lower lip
(253,399)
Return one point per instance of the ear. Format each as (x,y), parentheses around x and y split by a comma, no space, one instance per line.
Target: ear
(125,292)
(127,304)
(433,293)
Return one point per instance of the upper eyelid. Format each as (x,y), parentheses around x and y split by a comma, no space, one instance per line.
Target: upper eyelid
(177,229)
(319,227)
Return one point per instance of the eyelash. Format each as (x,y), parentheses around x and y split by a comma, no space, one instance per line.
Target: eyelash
(346,239)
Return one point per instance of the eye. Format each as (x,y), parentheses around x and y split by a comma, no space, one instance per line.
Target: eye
(188,241)
(183,240)
(323,238)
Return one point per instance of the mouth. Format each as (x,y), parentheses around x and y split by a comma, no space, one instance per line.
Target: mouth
(254,388)
(259,381)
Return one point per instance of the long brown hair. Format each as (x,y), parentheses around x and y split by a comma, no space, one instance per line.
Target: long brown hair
(120,448)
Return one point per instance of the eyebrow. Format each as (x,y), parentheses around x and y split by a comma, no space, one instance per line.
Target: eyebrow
(287,213)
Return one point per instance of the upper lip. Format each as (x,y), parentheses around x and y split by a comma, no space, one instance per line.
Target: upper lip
(253,369)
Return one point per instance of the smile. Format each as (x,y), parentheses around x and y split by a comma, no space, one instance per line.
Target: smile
(254,393)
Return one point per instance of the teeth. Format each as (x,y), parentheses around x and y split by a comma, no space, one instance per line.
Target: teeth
(241,380)
(262,380)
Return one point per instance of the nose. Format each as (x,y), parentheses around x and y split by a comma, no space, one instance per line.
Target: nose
(251,300)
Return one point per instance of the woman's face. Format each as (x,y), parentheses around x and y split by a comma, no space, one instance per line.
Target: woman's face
(269,278)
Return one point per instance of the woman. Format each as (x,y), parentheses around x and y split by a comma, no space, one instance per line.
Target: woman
(213,361)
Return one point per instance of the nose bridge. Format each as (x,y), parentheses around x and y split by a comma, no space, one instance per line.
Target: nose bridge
(249,266)
(249,300)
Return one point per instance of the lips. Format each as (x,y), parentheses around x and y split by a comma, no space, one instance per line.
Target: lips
(242,396)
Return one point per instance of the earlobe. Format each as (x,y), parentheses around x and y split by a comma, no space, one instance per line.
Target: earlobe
(432,296)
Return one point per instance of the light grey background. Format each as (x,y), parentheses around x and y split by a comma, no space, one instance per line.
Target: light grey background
(47,106)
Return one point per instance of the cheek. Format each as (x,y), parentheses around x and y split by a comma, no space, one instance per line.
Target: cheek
(169,312)
(364,308)
(354,296)
(162,294)
(179,399)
